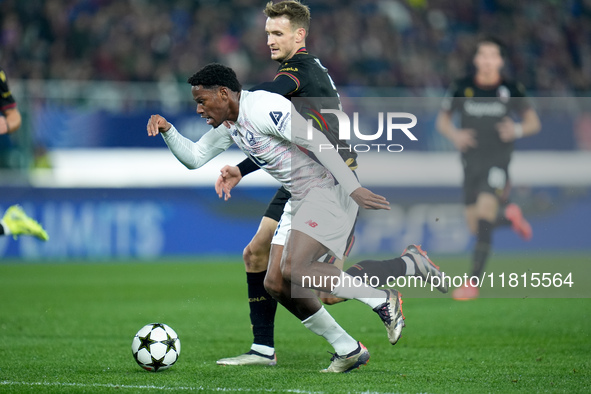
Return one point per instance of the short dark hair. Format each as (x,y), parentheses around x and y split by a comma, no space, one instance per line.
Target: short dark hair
(297,13)
(491,40)
(214,75)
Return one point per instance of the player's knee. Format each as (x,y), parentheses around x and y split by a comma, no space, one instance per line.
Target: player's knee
(247,256)
(255,258)
(274,286)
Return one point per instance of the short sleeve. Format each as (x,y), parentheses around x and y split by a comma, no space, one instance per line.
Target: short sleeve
(6,99)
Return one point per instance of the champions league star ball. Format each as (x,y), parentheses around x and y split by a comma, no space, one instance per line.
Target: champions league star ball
(156,347)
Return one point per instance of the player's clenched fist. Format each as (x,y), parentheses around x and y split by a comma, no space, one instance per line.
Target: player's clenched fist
(157,124)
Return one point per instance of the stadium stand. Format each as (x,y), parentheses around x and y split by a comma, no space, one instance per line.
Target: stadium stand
(409,44)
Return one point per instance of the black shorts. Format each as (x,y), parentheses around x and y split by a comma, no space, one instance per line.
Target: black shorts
(485,177)
(275,208)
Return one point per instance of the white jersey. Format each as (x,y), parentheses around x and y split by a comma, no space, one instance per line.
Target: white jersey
(263,131)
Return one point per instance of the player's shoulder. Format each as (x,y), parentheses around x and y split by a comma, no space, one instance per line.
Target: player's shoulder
(260,105)
(267,112)
(516,89)
(462,87)
(262,98)
(2,76)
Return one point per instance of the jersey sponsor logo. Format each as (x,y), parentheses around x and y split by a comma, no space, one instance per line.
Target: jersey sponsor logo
(283,123)
(493,109)
(293,69)
(311,223)
(276,116)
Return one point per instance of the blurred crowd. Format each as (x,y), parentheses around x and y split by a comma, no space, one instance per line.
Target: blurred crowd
(400,43)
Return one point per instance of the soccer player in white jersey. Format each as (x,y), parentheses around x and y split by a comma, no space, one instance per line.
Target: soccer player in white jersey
(317,219)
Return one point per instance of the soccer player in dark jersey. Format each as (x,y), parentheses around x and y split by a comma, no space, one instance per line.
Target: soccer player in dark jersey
(486,103)
(300,74)
(15,221)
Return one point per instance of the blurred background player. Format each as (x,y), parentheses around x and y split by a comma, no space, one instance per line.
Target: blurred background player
(15,221)
(299,75)
(485,102)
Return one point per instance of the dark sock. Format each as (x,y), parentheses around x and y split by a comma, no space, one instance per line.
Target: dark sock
(379,269)
(262,309)
(482,248)
(501,219)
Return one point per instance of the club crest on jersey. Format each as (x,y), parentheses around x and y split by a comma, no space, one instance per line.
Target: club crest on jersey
(276,116)
(504,93)
(250,138)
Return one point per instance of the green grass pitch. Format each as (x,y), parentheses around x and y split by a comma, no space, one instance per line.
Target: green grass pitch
(68,328)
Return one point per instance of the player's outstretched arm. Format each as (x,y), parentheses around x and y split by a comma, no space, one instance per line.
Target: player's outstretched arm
(192,154)
(229,177)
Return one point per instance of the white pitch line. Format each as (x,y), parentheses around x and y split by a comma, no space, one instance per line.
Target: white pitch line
(149,387)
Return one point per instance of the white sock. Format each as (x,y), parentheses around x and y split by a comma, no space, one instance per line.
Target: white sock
(323,324)
(410,265)
(351,287)
(263,349)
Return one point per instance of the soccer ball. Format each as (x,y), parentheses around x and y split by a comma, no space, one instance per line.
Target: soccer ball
(156,347)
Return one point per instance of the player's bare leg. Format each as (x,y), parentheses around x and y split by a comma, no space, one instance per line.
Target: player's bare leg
(262,305)
(303,304)
(481,219)
(256,253)
(327,298)
(300,266)
(299,301)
